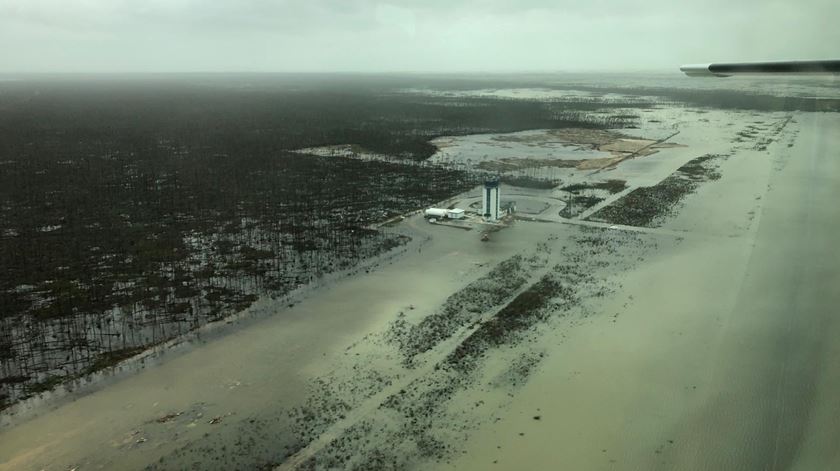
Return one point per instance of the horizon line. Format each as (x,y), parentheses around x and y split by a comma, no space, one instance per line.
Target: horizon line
(675,71)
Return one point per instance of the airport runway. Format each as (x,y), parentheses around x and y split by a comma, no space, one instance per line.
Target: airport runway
(774,398)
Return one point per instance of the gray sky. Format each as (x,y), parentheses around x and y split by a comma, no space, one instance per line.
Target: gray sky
(407,35)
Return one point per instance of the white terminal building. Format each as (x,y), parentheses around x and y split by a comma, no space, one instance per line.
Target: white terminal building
(491,200)
(456,213)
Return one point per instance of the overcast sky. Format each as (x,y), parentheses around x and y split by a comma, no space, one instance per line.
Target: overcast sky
(407,35)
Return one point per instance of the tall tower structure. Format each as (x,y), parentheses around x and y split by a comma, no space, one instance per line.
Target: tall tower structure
(490,200)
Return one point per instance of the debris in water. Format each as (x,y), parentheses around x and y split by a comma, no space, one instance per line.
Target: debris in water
(168,417)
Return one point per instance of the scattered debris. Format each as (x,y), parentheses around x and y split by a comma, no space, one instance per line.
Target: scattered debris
(168,417)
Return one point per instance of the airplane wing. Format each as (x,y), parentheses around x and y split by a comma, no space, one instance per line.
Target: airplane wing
(772,67)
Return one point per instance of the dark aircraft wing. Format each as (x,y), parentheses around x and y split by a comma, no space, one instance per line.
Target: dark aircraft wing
(773,67)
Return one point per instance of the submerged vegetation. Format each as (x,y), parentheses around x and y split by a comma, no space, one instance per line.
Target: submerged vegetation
(483,295)
(582,196)
(647,206)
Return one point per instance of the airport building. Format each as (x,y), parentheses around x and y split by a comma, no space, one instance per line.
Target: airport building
(456,213)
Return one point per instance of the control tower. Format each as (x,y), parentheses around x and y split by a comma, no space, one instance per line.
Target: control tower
(490,200)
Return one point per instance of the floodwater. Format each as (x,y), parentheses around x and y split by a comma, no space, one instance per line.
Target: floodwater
(535,144)
(712,346)
(724,353)
(537,93)
(574,85)
(257,372)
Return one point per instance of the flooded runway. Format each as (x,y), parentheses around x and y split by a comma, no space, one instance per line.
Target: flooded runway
(772,369)
(724,356)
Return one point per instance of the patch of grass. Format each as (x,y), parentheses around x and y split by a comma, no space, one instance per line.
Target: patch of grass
(529,182)
(613,186)
(645,206)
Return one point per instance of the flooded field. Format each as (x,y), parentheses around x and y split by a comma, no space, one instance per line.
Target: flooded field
(540,144)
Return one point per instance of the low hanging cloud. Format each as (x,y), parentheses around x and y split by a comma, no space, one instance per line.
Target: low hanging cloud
(409,35)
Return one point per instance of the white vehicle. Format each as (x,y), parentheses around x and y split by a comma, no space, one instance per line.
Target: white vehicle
(436,213)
